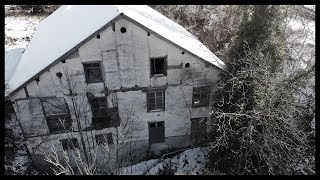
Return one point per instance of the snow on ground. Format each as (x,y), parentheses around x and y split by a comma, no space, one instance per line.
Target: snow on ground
(19,30)
(301,39)
(189,162)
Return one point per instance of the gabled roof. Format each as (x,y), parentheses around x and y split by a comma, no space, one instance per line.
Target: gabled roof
(72,24)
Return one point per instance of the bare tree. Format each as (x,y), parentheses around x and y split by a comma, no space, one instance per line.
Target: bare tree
(86,158)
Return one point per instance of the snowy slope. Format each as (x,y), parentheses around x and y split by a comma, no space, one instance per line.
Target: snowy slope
(70,25)
(189,162)
(19,30)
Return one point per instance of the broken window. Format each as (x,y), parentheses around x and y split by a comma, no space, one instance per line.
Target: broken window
(102,116)
(156,132)
(93,72)
(57,114)
(104,138)
(99,112)
(158,66)
(155,100)
(201,96)
(199,129)
(70,144)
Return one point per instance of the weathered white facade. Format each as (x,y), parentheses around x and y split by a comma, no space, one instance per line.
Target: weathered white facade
(125,64)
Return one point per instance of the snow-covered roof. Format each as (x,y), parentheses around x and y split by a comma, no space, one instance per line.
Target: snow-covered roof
(12,59)
(71,24)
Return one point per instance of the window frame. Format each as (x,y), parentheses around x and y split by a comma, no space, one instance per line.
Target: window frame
(155,100)
(152,64)
(202,89)
(67,124)
(198,134)
(64,116)
(99,121)
(157,128)
(85,68)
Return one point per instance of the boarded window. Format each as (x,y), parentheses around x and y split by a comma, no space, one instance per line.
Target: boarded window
(155,100)
(104,138)
(156,132)
(69,144)
(158,66)
(201,96)
(93,72)
(199,129)
(57,114)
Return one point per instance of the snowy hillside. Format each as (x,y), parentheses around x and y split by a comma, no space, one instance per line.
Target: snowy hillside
(189,162)
(19,30)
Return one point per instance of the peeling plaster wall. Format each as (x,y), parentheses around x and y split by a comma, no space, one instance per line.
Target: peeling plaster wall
(125,60)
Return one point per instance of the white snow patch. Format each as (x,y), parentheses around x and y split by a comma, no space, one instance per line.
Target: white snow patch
(301,41)
(189,162)
(313,123)
(139,168)
(21,28)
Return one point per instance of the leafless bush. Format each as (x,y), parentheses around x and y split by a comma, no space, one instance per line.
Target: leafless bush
(268,139)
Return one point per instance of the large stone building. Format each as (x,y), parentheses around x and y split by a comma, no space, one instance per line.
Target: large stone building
(125,76)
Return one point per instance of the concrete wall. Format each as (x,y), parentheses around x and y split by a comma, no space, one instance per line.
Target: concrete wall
(125,60)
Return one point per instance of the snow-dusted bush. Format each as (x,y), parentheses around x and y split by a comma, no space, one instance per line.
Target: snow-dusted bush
(257,120)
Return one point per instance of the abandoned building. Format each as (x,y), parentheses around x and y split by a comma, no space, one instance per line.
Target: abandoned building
(122,76)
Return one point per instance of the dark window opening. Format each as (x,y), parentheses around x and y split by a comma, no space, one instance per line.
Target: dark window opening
(63,61)
(155,100)
(59,124)
(57,115)
(104,139)
(93,72)
(156,132)
(187,65)
(102,116)
(113,27)
(199,129)
(123,30)
(70,144)
(98,36)
(182,52)
(148,34)
(201,96)
(59,75)
(37,80)
(158,66)
(99,112)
